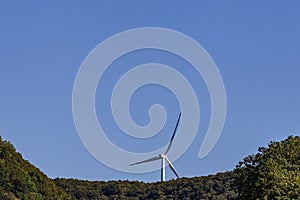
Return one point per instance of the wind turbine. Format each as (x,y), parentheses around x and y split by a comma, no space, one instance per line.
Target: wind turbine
(163,157)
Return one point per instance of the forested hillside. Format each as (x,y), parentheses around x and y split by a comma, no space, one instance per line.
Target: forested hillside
(21,180)
(209,187)
(272,173)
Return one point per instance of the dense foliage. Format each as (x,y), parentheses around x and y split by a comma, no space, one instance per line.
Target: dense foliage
(21,180)
(214,187)
(273,173)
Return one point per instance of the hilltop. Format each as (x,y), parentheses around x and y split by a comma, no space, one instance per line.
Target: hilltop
(21,180)
(272,173)
(215,187)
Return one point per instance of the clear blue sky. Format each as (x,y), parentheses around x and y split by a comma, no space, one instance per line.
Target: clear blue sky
(42,45)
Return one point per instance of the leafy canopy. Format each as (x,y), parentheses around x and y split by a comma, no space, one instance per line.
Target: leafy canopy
(272,173)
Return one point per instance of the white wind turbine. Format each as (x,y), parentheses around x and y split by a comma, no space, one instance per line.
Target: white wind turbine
(163,157)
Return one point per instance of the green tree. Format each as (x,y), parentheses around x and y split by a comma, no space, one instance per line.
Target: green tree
(273,173)
(21,180)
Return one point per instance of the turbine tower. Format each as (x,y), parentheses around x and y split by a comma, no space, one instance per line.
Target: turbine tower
(163,157)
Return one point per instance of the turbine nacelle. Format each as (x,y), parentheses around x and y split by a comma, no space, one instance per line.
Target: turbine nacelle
(162,155)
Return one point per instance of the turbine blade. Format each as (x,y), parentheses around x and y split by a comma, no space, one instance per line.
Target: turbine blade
(172,138)
(148,160)
(172,168)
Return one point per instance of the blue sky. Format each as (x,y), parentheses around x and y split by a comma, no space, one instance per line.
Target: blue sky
(42,45)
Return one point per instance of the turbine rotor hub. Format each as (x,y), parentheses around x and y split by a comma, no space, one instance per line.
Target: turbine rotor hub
(162,155)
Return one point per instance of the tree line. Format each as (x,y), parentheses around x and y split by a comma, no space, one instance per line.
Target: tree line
(272,173)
